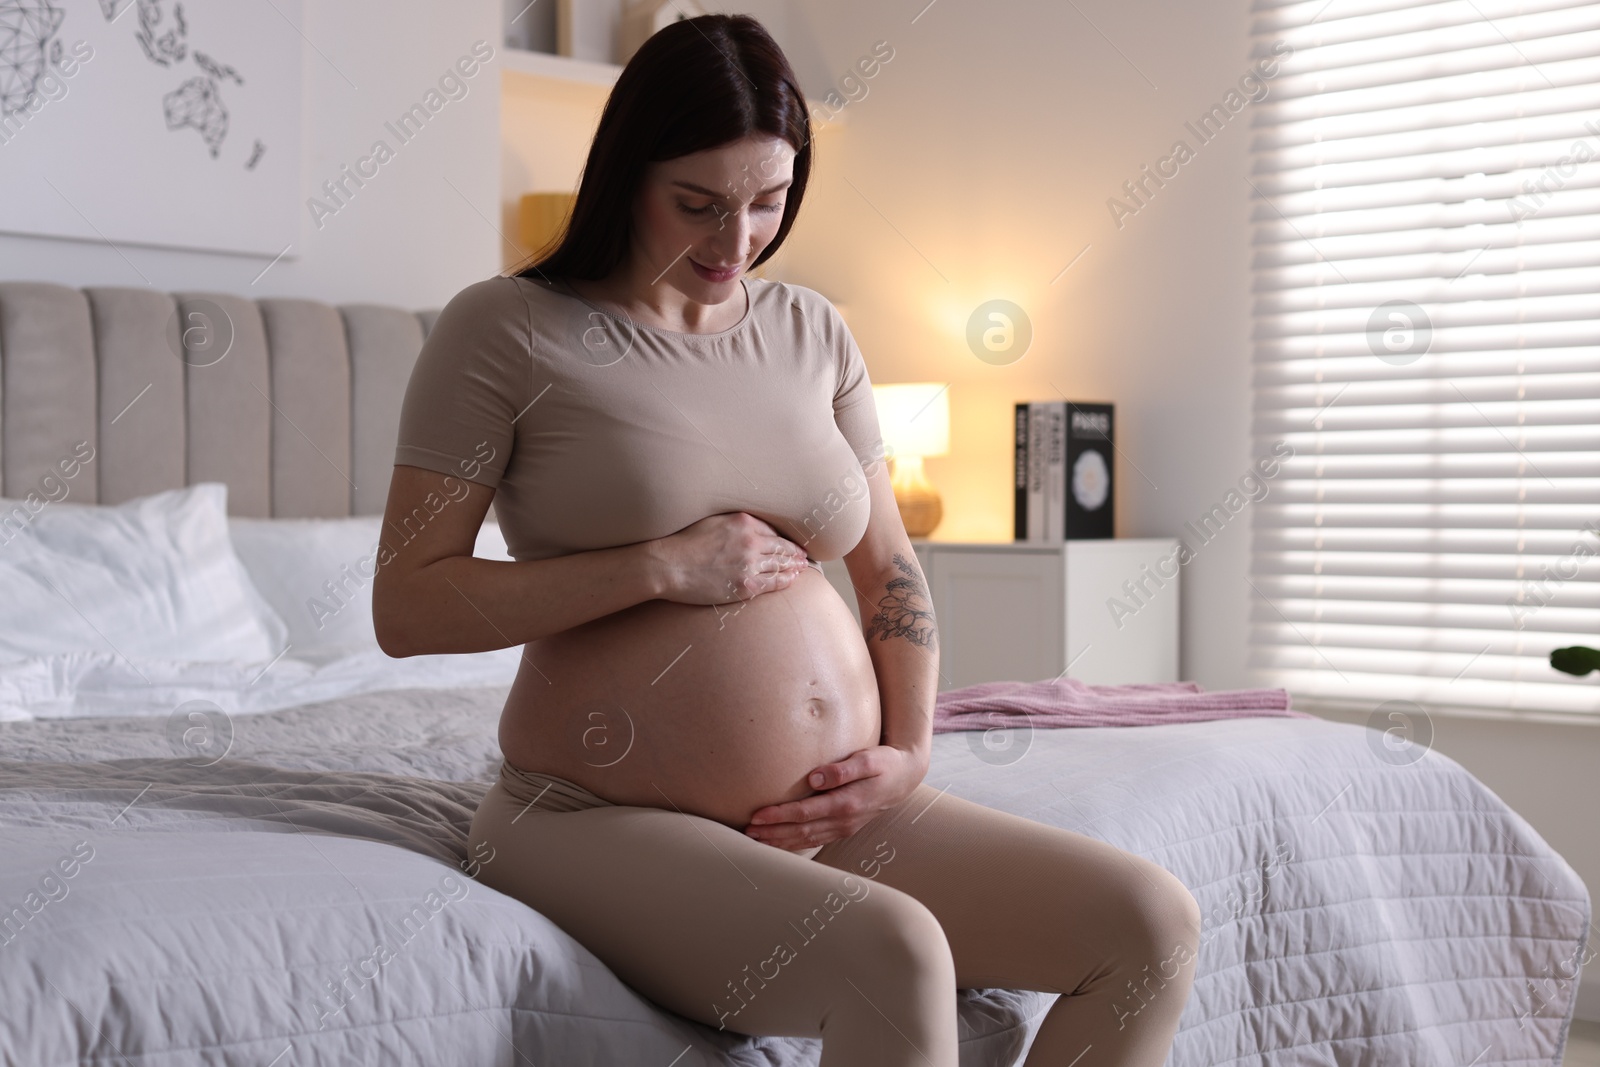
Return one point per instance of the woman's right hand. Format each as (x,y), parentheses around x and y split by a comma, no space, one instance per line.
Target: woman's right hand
(727,557)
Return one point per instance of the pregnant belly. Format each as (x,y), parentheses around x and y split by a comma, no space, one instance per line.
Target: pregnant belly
(716,711)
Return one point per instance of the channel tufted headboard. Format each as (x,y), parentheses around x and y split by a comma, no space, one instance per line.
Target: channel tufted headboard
(297,414)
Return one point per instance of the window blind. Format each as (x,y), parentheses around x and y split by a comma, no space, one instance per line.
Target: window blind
(1425,208)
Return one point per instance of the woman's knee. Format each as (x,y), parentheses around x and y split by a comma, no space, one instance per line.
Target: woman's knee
(1165,909)
(1158,921)
(897,932)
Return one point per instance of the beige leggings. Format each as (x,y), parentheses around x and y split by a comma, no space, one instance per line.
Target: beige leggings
(864,944)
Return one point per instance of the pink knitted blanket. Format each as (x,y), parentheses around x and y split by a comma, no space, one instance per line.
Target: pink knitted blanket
(1062,702)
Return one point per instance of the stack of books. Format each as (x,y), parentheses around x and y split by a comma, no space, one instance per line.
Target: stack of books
(1064,489)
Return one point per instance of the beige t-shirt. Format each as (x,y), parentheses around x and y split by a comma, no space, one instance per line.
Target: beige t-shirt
(596,432)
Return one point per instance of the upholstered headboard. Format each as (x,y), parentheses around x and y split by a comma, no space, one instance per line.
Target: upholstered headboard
(293,403)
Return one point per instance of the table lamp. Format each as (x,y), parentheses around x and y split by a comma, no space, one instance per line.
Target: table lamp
(914,419)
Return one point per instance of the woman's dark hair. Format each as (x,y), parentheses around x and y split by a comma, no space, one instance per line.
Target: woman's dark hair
(696,84)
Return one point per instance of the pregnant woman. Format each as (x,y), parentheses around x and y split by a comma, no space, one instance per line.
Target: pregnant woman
(713,778)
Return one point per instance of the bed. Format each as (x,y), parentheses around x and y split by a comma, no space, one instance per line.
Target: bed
(262,860)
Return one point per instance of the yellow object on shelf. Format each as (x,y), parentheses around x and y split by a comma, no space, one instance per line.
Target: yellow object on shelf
(540,219)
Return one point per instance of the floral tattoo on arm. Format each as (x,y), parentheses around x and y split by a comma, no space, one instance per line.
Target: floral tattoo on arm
(907,609)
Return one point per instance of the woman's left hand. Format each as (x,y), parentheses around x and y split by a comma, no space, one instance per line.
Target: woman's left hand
(850,794)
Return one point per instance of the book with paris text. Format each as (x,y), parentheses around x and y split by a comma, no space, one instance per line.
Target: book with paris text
(1087,510)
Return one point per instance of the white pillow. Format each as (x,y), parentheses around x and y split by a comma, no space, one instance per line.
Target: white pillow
(317,574)
(154,578)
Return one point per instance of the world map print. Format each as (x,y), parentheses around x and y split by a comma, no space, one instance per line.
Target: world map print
(27,41)
(30,47)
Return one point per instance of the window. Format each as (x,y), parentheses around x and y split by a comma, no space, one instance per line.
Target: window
(1425,203)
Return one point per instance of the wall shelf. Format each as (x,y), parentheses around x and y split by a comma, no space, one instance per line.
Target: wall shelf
(558,68)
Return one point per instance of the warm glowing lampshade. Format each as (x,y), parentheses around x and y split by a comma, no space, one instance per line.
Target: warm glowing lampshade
(914,419)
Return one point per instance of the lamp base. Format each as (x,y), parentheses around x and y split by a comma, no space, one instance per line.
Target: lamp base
(919,503)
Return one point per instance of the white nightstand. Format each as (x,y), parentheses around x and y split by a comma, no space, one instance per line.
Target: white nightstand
(1026,612)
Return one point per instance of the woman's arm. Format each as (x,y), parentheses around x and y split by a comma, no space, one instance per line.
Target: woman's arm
(431,595)
(897,620)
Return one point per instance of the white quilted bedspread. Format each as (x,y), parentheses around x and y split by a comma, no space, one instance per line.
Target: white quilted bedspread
(301,900)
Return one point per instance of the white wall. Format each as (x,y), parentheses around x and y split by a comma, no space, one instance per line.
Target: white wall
(407,237)
(977,166)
